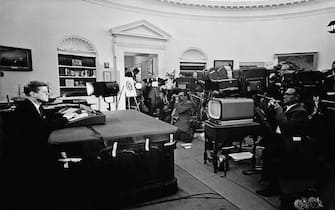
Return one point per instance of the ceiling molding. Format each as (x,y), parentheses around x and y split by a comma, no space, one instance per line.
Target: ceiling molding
(164,9)
(226,4)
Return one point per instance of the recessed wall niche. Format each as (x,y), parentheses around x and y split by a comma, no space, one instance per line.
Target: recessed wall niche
(77,65)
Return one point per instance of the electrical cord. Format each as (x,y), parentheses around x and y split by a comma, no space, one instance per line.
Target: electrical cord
(192,196)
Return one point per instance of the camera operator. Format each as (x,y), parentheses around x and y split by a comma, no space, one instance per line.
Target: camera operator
(286,124)
(329,82)
(181,114)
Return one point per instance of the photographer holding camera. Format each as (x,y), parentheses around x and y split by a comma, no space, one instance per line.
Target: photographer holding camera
(286,124)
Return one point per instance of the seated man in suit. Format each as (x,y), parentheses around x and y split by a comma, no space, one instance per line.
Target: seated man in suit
(30,159)
(286,124)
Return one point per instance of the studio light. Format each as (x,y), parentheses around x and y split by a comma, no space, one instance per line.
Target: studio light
(104,89)
(138,86)
(331,26)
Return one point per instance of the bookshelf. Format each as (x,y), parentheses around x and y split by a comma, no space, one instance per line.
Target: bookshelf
(74,72)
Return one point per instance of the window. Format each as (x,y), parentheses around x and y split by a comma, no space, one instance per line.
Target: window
(187,68)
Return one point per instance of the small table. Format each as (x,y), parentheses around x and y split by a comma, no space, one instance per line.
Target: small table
(217,136)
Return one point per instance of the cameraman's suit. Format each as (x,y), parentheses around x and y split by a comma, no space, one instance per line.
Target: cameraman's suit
(288,127)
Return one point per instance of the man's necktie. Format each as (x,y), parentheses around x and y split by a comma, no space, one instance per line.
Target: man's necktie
(42,112)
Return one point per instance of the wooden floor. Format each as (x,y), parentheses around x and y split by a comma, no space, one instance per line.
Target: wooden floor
(236,187)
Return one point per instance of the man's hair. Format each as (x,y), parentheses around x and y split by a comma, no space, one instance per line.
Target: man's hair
(128,74)
(298,90)
(33,86)
(136,70)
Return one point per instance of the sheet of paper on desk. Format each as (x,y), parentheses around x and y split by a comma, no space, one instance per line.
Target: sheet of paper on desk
(79,116)
(68,110)
(241,156)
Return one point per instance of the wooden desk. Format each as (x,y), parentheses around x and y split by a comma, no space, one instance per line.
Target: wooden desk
(134,170)
(119,125)
(217,136)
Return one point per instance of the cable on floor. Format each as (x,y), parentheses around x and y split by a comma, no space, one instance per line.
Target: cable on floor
(192,196)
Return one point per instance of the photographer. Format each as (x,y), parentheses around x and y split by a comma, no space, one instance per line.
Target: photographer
(181,114)
(329,82)
(286,124)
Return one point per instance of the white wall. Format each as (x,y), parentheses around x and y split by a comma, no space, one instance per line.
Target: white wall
(41,25)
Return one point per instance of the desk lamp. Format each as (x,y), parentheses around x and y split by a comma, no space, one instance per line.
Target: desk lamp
(103,89)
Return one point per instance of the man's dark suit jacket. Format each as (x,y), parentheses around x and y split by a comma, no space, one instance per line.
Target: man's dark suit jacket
(31,169)
(283,156)
(30,132)
(297,156)
(329,81)
(293,122)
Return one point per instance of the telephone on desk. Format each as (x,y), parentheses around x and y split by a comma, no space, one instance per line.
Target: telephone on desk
(82,117)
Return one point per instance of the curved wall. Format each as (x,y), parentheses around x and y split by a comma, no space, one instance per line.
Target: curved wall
(242,36)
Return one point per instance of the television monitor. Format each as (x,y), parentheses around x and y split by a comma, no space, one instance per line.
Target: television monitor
(231,108)
(15,59)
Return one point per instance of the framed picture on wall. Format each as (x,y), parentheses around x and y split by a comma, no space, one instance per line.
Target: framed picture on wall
(225,63)
(305,61)
(107,76)
(15,59)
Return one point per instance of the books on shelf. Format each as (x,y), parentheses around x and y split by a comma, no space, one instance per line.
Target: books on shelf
(74,71)
(69,82)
